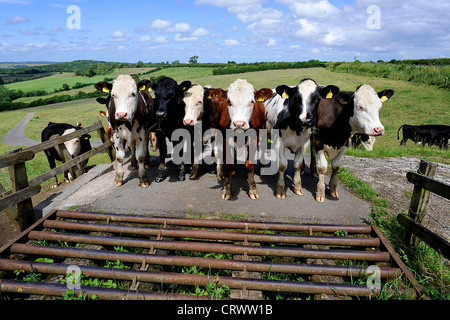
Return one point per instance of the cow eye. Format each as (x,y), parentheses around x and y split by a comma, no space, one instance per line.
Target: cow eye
(199,103)
(361,108)
(253,102)
(229,102)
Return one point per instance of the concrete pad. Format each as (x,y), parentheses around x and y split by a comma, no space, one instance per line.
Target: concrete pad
(203,196)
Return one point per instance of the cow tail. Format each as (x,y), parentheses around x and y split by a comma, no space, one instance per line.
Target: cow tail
(398,132)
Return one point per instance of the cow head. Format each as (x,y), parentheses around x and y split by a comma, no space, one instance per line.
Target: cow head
(366,106)
(241,101)
(303,99)
(124,96)
(168,96)
(193,100)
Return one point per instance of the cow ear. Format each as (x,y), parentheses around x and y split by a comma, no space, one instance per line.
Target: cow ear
(263,95)
(103,86)
(329,92)
(185,85)
(345,96)
(285,92)
(385,95)
(101,100)
(144,85)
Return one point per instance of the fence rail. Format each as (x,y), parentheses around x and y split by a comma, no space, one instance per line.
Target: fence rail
(424,184)
(17,202)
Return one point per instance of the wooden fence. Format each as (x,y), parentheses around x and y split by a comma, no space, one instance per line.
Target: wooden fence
(17,202)
(424,184)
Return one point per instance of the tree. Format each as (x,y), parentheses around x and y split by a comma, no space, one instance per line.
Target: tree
(66,87)
(193,59)
(1,81)
(140,64)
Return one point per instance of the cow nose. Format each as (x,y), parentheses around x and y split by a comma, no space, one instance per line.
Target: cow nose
(307,123)
(121,116)
(161,114)
(188,122)
(239,124)
(378,131)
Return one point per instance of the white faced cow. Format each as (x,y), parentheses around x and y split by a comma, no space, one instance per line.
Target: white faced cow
(291,111)
(338,118)
(129,109)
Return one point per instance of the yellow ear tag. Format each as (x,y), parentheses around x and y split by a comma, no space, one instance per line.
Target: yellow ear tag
(329,95)
(105,89)
(384,98)
(285,95)
(209,97)
(142,88)
(261,99)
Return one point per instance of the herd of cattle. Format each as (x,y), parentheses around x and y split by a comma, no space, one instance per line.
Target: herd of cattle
(307,114)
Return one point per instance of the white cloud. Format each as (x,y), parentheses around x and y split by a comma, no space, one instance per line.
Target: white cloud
(180,27)
(228,3)
(231,43)
(16,20)
(145,38)
(161,24)
(160,40)
(271,42)
(180,38)
(119,36)
(200,32)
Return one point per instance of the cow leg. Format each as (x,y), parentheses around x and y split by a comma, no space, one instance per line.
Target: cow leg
(133,160)
(313,165)
(162,146)
(226,192)
(335,165)
(299,162)
(146,150)
(141,150)
(52,164)
(120,155)
(322,164)
(253,192)
(217,149)
(282,166)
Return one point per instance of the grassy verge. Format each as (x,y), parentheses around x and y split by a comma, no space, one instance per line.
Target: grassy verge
(430,268)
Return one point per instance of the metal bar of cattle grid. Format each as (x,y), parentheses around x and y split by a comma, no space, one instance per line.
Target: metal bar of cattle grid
(216,235)
(223,264)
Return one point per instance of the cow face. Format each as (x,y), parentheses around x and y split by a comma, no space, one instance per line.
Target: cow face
(303,99)
(73,146)
(193,100)
(124,96)
(240,101)
(367,104)
(169,96)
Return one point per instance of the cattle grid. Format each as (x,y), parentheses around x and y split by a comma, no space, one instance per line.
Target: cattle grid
(241,255)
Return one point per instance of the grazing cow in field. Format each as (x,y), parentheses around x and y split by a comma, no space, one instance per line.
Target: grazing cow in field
(170,113)
(242,110)
(291,111)
(437,135)
(360,139)
(75,147)
(130,113)
(338,118)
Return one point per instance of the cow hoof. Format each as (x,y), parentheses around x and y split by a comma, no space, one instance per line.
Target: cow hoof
(54,186)
(254,195)
(182,177)
(334,194)
(193,176)
(226,196)
(280,195)
(118,183)
(320,198)
(298,192)
(144,184)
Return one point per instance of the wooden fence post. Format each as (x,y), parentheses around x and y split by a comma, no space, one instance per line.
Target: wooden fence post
(19,181)
(111,151)
(65,156)
(419,199)
(446,82)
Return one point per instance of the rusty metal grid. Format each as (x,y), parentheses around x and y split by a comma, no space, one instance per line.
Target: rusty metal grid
(243,256)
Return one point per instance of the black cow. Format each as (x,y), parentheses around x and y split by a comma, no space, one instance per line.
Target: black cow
(437,135)
(75,147)
(170,112)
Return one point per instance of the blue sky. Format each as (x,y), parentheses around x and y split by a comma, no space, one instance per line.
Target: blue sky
(223,30)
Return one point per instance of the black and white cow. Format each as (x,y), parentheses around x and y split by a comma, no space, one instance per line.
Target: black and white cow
(170,113)
(130,113)
(75,147)
(291,112)
(338,118)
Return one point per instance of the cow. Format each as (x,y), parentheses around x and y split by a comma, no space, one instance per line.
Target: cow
(339,117)
(170,113)
(437,135)
(359,139)
(200,110)
(291,111)
(130,113)
(75,147)
(242,110)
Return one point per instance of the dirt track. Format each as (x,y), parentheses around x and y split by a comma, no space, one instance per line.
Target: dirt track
(387,176)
